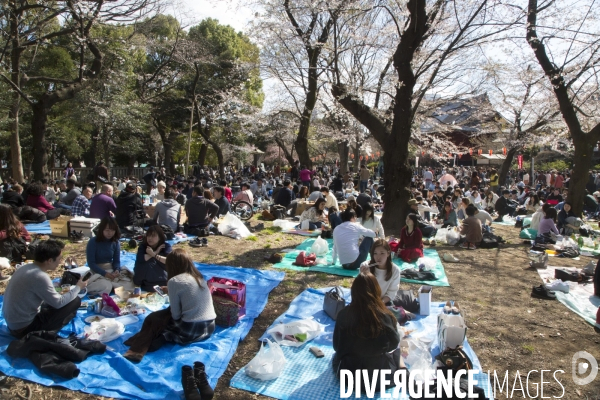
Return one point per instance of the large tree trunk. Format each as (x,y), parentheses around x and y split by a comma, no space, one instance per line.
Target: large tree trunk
(505,167)
(39,125)
(584,160)
(168,156)
(202,154)
(15,142)
(220,159)
(343,150)
(397,176)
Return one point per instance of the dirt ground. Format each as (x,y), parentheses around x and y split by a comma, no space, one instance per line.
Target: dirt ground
(508,329)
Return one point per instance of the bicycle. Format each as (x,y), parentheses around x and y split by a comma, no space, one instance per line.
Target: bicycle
(242,209)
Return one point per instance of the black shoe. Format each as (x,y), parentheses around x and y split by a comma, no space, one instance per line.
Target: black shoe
(190,390)
(542,292)
(196,242)
(77,237)
(204,242)
(202,381)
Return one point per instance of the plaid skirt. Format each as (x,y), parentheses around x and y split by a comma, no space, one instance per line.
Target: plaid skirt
(182,332)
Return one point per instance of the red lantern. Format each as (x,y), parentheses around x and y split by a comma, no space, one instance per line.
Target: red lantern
(422,153)
(491,152)
(504,150)
(470,152)
(441,155)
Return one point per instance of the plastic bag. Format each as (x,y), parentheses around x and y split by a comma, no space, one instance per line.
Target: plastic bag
(440,236)
(267,364)
(295,333)
(417,356)
(105,330)
(232,226)
(304,225)
(426,264)
(452,237)
(509,219)
(285,224)
(319,247)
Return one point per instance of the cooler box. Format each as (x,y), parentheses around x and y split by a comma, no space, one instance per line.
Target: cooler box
(85,225)
(59,226)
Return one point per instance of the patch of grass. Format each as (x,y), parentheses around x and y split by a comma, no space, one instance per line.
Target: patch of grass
(271,230)
(278,240)
(252,238)
(528,347)
(346,282)
(289,295)
(267,246)
(322,277)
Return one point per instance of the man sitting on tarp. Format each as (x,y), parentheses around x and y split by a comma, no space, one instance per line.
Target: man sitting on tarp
(505,206)
(30,301)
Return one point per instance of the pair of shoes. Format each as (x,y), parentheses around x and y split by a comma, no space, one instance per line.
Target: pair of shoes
(558,286)
(450,258)
(542,292)
(70,263)
(196,242)
(472,246)
(195,383)
(452,308)
(77,237)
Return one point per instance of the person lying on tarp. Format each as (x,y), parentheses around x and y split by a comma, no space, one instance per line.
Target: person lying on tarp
(190,316)
(30,301)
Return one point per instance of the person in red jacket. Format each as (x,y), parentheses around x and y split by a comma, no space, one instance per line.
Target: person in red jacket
(410,248)
(36,199)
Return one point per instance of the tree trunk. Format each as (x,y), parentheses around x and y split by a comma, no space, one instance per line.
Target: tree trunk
(343,149)
(168,162)
(356,163)
(397,176)
(202,154)
(510,155)
(39,121)
(130,166)
(15,142)
(220,159)
(584,160)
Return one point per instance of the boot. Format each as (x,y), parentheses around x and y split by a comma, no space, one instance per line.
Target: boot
(202,381)
(190,390)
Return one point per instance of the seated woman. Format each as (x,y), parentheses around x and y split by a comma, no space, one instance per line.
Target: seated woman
(104,259)
(449,217)
(471,229)
(532,204)
(462,206)
(371,221)
(13,237)
(314,215)
(381,266)
(36,199)
(456,198)
(190,316)
(365,336)
(150,269)
(537,217)
(489,203)
(351,203)
(547,224)
(334,217)
(410,247)
(565,219)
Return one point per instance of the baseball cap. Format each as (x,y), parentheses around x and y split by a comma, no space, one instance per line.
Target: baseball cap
(131,186)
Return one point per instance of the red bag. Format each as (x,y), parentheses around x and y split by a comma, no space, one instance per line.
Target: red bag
(304,260)
(229,289)
(107,301)
(394,245)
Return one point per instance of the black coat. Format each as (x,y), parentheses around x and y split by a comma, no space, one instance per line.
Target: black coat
(130,209)
(13,199)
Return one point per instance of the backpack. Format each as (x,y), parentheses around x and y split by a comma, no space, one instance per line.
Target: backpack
(13,249)
(279,212)
(488,243)
(168,231)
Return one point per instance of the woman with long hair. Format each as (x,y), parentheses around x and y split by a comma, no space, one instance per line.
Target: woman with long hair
(103,255)
(381,266)
(190,316)
(150,269)
(303,193)
(365,335)
(456,198)
(449,216)
(314,215)
(410,247)
(565,218)
(547,224)
(489,203)
(371,221)
(351,203)
(13,237)
(70,172)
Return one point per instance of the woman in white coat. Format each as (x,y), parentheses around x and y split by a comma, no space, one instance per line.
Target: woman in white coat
(370,221)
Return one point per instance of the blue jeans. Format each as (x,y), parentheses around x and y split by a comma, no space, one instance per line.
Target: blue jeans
(363,252)
(334,220)
(363,186)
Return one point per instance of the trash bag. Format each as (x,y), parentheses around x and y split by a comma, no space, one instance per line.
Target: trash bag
(232,226)
(295,333)
(441,235)
(452,237)
(267,364)
(320,247)
(105,330)
(528,234)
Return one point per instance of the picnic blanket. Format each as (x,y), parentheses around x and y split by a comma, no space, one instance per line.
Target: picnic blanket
(580,299)
(158,376)
(306,377)
(302,232)
(42,229)
(288,263)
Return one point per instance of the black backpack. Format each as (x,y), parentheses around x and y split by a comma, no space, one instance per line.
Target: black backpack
(279,212)
(13,249)
(168,231)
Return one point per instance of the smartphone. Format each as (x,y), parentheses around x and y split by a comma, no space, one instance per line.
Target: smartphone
(158,290)
(317,352)
(87,276)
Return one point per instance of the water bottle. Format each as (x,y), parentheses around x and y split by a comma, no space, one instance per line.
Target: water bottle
(151,199)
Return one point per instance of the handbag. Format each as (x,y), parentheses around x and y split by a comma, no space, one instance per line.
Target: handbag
(70,278)
(455,359)
(229,289)
(228,312)
(572,276)
(334,302)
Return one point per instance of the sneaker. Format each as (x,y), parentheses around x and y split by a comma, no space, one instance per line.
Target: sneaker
(196,242)
(204,242)
(472,246)
(190,389)
(541,292)
(450,258)
(558,286)
(76,237)
(201,379)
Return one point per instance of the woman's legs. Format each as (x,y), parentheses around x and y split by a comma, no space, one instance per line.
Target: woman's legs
(152,329)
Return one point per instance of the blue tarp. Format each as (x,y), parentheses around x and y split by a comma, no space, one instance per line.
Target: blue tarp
(43,228)
(158,376)
(306,377)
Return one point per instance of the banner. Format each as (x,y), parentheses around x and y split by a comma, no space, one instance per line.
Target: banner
(520,161)
(416,162)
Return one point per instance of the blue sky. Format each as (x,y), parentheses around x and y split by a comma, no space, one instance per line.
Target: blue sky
(225,11)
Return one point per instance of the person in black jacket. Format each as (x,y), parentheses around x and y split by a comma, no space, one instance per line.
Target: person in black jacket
(13,197)
(150,180)
(365,336)
(221,200)
(200,212)
(505,206)
(150,268)
(130,209)
(286,197)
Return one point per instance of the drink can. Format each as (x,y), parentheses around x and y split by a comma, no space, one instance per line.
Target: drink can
(98,306)
(137,291)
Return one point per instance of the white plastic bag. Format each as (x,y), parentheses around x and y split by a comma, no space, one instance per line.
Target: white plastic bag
(440,236)
(304,225)
(285,224)
(267,364)
(295,333)
(319,247)
(105,330)
(452,237)
(426,264)
(452,331)
(232,226)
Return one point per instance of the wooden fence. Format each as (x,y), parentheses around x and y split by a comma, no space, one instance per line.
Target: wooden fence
(82,173)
